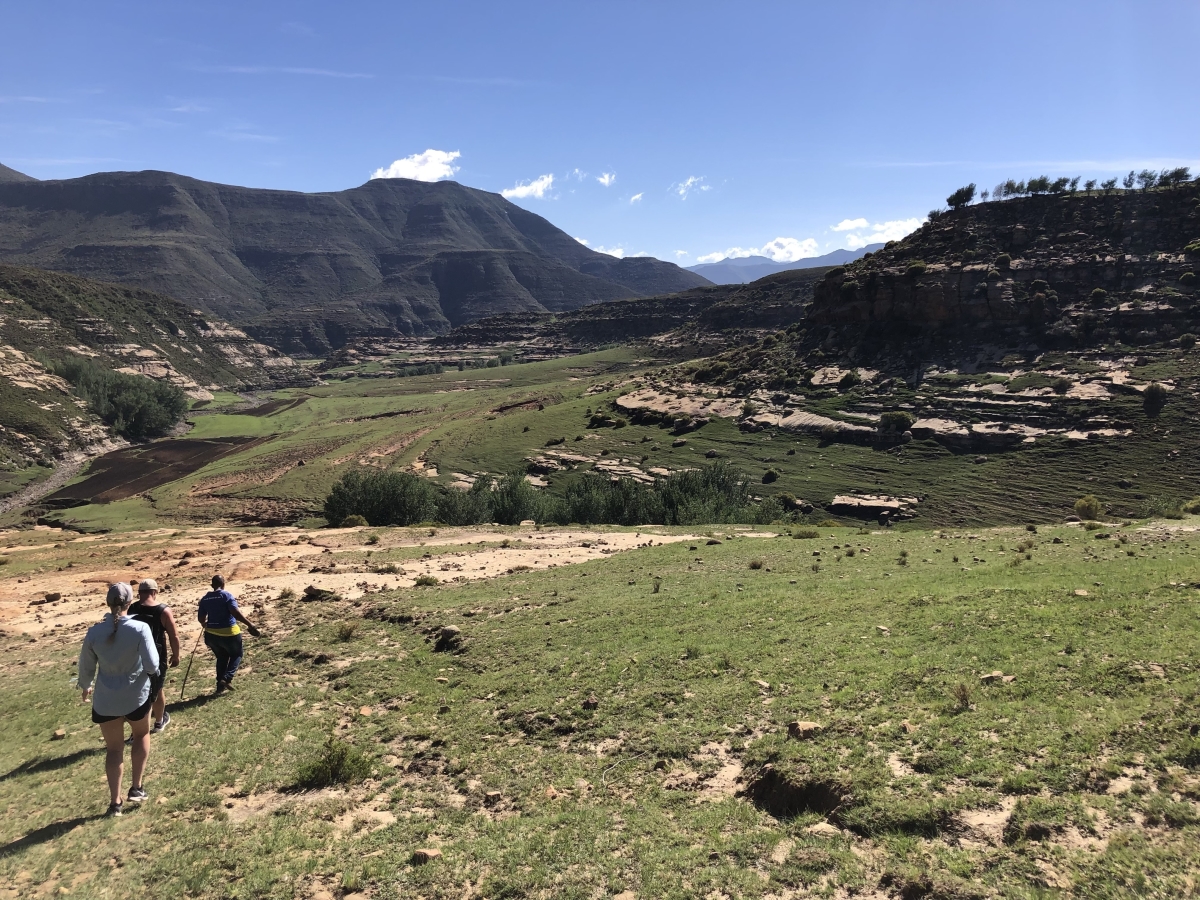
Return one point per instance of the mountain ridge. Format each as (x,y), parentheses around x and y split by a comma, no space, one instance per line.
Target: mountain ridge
(307,272)
(745,269)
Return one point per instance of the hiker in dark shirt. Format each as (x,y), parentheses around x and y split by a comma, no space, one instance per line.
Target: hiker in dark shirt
(149,611)
(219,614)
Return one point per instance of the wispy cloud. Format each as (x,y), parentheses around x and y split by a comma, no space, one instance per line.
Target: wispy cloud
(189,107)
(280,70)
(582,241)
(637,197)
(28,99)
(692,183)
(578,174)
(861,232)
(618,252)
(680,254)
(782,249)
(607,178)
(536,189)
(245,134)
(432,165)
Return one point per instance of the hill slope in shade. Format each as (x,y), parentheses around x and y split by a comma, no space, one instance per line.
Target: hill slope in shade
(306,272)
(746,269)
(12,175)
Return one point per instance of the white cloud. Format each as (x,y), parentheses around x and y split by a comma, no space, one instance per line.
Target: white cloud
(782,249)
(582,241)
(432,165)
(851,225)
(680,254)
(618,252)
(578,174)
(607,178)
(862,232)
(636,197)
(683,188)
(536,188)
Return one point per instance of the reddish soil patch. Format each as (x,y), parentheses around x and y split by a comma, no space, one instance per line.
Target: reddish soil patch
(124,473)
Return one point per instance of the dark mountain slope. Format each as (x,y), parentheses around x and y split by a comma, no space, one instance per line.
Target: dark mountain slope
(309,271)
(7,174)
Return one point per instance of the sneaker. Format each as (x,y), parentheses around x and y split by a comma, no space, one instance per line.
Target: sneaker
(114,810)
(159,726)
(220,688)
(137,795)
(228,685)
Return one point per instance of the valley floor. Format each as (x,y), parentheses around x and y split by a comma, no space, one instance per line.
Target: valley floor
(996,713)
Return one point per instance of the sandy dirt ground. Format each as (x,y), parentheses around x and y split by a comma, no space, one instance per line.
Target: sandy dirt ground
(258,565)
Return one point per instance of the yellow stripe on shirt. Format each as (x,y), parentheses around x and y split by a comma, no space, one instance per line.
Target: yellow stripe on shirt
(224,632)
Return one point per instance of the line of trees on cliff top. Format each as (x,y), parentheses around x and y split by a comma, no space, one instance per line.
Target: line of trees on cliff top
(1145,180)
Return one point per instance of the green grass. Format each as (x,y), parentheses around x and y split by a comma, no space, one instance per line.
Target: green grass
(1106,686)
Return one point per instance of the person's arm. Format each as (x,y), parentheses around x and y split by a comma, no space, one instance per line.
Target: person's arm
(148,651)
(237,614)
(201,615)
(168,622)
(87,667)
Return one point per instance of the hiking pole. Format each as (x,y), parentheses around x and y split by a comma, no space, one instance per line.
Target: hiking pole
(188,670)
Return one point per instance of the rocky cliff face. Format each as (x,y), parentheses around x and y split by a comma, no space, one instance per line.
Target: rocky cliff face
(1031,268)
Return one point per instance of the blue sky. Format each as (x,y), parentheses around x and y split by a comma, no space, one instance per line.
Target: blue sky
(680,130)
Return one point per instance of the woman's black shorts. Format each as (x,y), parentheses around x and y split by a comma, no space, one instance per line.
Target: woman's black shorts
(136,716)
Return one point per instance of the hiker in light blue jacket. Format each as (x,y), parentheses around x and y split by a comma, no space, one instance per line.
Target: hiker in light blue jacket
(119,655)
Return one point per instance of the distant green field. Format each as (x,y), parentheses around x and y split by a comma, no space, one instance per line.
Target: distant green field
(1078,776)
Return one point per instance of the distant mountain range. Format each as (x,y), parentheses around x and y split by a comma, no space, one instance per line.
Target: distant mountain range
(744,269)
(308,272)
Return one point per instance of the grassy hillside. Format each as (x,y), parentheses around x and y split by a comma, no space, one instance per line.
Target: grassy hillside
(622,725)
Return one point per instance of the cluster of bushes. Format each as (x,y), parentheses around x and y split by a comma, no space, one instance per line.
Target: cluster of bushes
(134,407)
(716,493)
(1043,184)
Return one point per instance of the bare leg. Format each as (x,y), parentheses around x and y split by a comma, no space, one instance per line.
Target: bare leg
(114,756)
(160,706)
(139,751)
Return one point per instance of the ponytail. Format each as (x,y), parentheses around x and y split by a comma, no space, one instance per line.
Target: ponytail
(120,595)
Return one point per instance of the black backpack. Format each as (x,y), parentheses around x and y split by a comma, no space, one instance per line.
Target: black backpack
(152,616)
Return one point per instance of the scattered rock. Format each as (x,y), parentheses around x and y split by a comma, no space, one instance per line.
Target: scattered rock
(883,630)
(908,727)
(981,459)
(992,677)
(1080,592)
(824,829)
(1125,483)
(592,702)
(711,454)
(763,685)
(365,711)
(678,442)
(59,735)
(712,541)
(314,593)
(491,798)
(442,679)
(426,854)
(803,731)
(1057,540)
(1072,519)
(53,597)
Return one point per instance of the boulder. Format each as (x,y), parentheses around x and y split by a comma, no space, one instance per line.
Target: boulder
(53,597)
(449,638)
(426,854)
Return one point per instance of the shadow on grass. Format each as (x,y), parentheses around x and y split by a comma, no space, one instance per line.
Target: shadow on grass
(46,833)
(50,764)
(190,703)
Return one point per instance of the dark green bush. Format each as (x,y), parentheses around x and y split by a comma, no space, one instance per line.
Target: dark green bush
(1154,398)
(1187,340)
(469,507)
(896,420)
(916,268)
(1187,279)
(769,476)
(382,498)
(336,763)
(134,407)
(961,197)
(354,521)
(1003,261)
(1099,297)
(849,380)
(1088,507)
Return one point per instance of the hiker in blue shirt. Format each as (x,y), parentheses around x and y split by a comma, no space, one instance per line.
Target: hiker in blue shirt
(120,657)
(219,614)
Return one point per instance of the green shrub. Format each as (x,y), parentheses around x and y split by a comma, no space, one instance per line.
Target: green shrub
(806,533)
(896,421)
(1099,297)
(1088,507)
(336,763)
(353,521)
(134,407)
(916,268)
(1061,385)
(849,380)
(1003,261)
(1154,398)
(425,581)
(1193,248)
(769,476)
(469,507)
(961,197)
(829,523)
(381,498)
(1187,340)
(345,631)
(756,564)
(1191,507)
